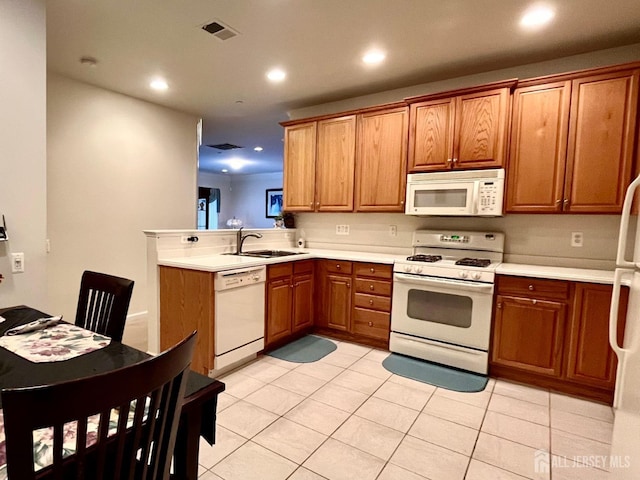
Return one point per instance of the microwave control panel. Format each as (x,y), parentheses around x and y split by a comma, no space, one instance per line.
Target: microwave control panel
(490,198)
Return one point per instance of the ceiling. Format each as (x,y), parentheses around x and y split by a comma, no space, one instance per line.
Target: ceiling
(318,42)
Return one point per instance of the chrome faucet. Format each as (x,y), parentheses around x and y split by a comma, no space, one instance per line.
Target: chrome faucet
(241,238)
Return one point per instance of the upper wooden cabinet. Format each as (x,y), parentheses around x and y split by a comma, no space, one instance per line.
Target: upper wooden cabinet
(381,160)
(468,130)
(572,144)
(299,167)
(335,164)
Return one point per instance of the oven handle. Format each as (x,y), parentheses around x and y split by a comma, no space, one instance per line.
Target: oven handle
(443,282)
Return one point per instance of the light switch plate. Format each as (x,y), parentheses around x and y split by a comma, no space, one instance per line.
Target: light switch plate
(342,229)
(17,262)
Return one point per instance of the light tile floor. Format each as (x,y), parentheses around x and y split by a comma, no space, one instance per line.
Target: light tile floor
(345,417)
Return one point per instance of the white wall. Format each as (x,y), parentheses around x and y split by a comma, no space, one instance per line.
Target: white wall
(242,196)
(598,58)
(248,193)
(116,166)
(23,188)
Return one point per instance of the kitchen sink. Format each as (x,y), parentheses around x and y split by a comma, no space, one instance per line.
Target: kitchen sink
(265,253)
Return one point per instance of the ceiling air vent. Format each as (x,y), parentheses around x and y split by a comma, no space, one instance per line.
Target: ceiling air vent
(225,146)
(220,30)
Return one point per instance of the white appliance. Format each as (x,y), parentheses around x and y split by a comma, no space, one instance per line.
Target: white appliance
(471,193)
(239,314)
(625,447)
(443,297)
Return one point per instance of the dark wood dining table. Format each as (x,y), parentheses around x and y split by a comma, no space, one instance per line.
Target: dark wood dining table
(198,414)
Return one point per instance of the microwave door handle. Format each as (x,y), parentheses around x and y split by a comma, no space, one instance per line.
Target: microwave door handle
(476,197)
(621,261)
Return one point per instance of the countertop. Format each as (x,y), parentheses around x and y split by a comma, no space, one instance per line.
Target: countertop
(219,262)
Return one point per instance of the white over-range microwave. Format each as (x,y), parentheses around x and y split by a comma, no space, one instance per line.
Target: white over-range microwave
(472,193)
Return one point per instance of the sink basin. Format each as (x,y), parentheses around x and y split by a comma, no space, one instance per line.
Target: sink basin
(268,253)
(265,253)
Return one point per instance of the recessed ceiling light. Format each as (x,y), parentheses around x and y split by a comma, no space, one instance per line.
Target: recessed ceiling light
(159,84)
(276,75)
(258,149)
(224,170)
(236,163)
(373,57)
(537,16)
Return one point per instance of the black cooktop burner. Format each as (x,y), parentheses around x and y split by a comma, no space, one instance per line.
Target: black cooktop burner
(474,262)
(425,258)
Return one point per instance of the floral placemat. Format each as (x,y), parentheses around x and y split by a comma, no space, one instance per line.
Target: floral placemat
(55,343)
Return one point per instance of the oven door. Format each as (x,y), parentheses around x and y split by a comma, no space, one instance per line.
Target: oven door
(447,310)
(444,198)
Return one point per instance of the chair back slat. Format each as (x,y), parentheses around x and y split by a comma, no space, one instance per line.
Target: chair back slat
(103,303)
(148,429)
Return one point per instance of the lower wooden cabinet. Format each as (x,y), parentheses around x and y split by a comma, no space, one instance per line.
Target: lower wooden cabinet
(554,334)
(187,304)
(289,300)
(355,301)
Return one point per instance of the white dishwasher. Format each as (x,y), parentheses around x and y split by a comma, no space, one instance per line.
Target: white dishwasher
(239,314)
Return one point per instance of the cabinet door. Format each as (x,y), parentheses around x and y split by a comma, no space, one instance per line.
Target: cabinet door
(335,164)
(591,360)
(537,161)
(278,309)
(528,334)
(431,135)
(338,307)
(299,167)
(381,161)
(601,139)
(480,136)
(302,315)
(187,304)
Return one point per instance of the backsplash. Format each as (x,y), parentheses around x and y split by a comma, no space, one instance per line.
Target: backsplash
(531,239)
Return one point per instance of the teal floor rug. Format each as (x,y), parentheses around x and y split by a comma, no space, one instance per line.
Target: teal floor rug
(305,350)
(435,374)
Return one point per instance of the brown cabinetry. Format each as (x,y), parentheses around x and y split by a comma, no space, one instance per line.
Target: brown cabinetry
(554,334)
(355,302)
(187,304)
(572,143)
(381,160)
(289,300)
(464,129)
(299,175)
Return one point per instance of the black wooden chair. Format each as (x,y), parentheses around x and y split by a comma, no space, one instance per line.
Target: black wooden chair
(139,445)
(103,303)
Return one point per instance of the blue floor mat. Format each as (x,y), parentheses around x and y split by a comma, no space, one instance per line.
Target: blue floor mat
(435,374)
(305,350)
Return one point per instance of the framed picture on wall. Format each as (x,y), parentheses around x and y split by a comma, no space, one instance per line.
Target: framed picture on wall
(274,202)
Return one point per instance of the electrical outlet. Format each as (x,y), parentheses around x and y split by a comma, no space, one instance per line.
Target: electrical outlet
(393,230)
(342,229)
(576,239)
(17,262)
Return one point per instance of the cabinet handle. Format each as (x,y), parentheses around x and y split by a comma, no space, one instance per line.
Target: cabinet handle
(534,301)
(455,160)
(371,287)
(372,270)
(338,266)
(448,160)
(566,203)
(531,288)
(401,202)
(311,204)
(291,285)
(317,204)
(558,202)
(371,324)
(499,305)
(370,302)
(348,285)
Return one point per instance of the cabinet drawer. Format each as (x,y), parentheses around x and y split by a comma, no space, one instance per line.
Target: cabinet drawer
(534,287)
(373,302)
(338,266)
(374,287)
(279,270)
(303,266)
(370,323)
(374,270)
